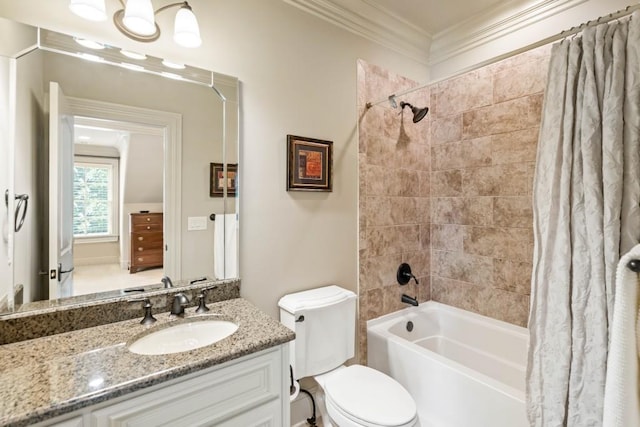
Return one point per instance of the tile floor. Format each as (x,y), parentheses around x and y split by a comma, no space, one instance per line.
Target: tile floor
(88,279)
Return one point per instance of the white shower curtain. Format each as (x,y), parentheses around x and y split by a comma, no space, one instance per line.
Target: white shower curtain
(586,213)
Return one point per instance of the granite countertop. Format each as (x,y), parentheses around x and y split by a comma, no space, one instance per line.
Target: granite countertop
(50,376)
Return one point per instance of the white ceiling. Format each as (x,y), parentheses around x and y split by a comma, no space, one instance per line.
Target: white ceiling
(434,16)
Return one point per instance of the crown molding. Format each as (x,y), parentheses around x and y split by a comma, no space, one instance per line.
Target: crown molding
(485,28)
(372,22)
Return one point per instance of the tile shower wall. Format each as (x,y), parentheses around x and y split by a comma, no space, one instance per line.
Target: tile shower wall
(450,195)
(394,161)
(484,132)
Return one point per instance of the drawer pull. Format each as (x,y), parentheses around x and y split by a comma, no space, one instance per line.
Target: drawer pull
(140,259)
(148,227)
(141,238)
(140,249)
(148,219)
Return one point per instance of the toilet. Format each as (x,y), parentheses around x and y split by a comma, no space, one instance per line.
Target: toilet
(324,322)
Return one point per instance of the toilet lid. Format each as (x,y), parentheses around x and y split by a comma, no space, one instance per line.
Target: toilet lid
(371,396)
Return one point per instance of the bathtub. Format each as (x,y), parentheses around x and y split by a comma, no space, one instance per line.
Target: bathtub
(462,369)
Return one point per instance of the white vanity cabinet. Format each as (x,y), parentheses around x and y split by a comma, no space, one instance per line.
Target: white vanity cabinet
(250,391)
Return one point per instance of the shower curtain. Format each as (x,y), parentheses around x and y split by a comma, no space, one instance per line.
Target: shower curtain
(586,213)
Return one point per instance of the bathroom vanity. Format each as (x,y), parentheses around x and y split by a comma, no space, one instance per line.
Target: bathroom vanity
(89,377)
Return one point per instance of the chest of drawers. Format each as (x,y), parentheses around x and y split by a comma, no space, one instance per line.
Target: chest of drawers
(147,241)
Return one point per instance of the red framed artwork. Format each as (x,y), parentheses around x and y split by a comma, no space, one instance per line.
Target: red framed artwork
(218,179)
(309,164)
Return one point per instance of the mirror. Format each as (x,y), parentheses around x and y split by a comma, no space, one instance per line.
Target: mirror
(132,194)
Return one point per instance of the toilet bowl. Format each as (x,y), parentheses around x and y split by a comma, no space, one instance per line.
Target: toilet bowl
(354,396)
(359,396)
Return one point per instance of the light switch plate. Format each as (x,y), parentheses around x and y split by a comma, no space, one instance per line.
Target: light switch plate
(196,223)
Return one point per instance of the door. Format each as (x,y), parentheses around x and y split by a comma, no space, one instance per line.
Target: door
(60,194)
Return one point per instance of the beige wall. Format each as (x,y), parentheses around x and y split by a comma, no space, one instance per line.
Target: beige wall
(30,131)
(6,275)
(298,76)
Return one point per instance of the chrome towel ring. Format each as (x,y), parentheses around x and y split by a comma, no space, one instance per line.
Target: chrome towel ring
(23,199)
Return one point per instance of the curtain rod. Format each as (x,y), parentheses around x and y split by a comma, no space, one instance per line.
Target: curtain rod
(561,35)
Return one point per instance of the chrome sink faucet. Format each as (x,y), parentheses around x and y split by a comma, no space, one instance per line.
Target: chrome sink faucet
(180,301)
(167,282)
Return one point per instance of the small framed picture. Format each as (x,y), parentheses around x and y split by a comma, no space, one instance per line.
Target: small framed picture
(218,180)
(309,164)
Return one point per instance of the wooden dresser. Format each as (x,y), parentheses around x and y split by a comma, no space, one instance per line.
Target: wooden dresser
(147,241)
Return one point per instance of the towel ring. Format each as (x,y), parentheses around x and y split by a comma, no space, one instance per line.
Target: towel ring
(22,199)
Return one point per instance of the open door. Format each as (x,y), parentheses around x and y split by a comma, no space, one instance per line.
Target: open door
(60,194)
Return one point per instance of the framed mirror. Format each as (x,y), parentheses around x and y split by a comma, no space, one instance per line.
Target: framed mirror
(107,175)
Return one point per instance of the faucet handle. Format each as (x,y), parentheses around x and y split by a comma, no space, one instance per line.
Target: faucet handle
(148,316)
(202,306)
(404,274)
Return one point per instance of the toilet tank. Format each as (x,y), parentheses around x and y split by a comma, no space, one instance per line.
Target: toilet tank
(324,322)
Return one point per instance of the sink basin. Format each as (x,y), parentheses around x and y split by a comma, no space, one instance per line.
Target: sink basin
(183,336)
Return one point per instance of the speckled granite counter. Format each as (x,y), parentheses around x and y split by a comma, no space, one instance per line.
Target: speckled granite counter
(50,376)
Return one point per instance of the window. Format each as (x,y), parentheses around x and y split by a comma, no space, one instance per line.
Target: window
(95,197)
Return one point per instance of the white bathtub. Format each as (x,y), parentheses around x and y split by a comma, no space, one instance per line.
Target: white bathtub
(462,369)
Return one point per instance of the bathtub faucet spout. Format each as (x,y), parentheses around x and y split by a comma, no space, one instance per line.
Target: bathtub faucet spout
(408,300)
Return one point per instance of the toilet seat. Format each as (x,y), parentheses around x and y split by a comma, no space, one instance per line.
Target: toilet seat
(359,395)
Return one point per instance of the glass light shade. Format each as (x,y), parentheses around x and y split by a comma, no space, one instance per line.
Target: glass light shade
(139,17)
(186,31)
(93,10)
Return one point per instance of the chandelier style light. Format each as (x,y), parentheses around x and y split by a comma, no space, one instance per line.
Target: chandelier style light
(136,20)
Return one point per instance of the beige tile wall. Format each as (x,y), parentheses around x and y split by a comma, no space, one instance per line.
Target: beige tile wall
(484,133)
(394,167)
(450,195)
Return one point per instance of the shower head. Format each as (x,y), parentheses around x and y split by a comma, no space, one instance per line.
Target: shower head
(418,113)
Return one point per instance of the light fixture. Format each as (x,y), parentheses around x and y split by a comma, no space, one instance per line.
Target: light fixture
(136,20)
(185,29)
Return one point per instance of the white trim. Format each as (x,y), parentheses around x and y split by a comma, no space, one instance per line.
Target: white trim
(171,123)
(372,22)
(120,126)
(484,28)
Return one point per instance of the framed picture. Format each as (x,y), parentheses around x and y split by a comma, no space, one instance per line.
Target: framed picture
(309,164)
(217,179)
